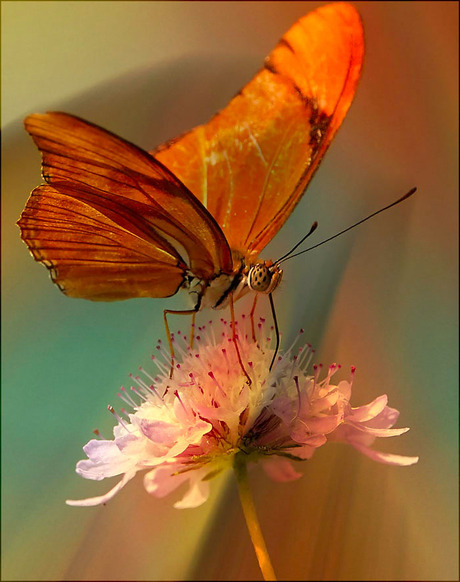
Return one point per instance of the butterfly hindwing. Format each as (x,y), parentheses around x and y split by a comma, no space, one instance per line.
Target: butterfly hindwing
(91,256)
(121,185)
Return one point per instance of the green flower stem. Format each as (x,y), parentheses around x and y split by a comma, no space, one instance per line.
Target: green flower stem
(241,472)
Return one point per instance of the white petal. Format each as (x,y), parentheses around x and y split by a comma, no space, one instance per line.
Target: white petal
(162,480)
(387,458)
(378,432)
(197,494)
(90,501)
(105,460)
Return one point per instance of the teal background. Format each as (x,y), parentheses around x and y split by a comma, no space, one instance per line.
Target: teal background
(383,298)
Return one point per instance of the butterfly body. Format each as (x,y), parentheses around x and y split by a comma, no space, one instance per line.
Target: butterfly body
(261,277)
(113,221)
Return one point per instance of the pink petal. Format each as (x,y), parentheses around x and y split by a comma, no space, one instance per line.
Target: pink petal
(345,388)
(371,410)
(160,432)
(91,501)
(385,419)
(321,404)
(387,458)
(280,469)
(304,452)
(303,430)
(283,408)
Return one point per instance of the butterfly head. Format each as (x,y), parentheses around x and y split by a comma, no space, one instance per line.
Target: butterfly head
(264,277)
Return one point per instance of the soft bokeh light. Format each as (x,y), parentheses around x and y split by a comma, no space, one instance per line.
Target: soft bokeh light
(383,297)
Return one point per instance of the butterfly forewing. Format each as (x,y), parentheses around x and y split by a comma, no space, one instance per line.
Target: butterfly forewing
(250,164)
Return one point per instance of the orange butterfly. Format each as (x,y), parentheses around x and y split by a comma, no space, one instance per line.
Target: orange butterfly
(115,222)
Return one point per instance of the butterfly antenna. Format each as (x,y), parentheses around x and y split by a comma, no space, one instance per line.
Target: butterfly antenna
(290,256)
(314,226)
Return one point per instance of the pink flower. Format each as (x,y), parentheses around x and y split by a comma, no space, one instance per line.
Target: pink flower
(189,428)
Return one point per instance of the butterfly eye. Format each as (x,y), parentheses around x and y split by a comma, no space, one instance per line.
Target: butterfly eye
(259,278)
(264,279)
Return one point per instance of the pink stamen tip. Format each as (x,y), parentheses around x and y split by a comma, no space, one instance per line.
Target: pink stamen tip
(279,358)
(302,330)
(190,375)
(250,364)
(131,376)
(152,357)
(315,367)
(159,341)
(262,319)
(96,432)
(224,351)
(110,409)
(179,332)
(198,338)
(177,365)
(211,375)
(243,316)
(158,347)
(353,369)
(197,355)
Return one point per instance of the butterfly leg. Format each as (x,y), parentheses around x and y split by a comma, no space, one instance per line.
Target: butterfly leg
(277,332)
(235,338)
(251,315)
(168,332)
(192,329)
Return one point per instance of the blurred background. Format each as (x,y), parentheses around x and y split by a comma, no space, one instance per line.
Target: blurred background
(382,298)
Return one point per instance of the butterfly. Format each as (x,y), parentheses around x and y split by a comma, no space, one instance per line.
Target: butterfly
(113,221)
